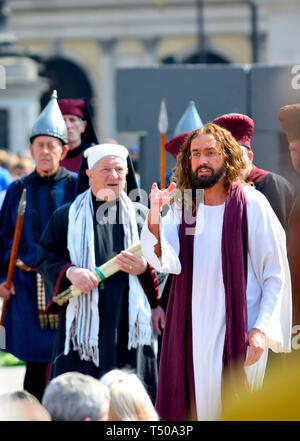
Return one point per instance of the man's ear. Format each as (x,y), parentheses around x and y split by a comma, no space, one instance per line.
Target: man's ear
(65,149)
(31,150)
(88,173)
(250,155)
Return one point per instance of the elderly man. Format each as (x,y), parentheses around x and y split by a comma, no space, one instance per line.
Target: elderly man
(27,326)
(230,295)
(81,133)
(289,117)
(108,326)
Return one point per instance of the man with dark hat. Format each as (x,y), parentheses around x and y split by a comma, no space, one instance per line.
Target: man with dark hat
(276,188)
(289,118)
(107,326)
(81,133)
(29,329)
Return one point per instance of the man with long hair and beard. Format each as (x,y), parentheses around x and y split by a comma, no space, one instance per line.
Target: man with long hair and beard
(230,298)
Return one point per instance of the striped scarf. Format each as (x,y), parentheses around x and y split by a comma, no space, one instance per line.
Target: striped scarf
(82,315)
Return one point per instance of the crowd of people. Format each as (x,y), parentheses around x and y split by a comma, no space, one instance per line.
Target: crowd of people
(84,305)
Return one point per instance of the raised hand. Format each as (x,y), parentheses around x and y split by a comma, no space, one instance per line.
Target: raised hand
(158,198)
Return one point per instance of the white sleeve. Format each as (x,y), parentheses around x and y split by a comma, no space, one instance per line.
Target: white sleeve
(169,238)
(267,251)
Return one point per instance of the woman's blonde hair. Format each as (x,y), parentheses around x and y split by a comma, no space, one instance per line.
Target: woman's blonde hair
(231,150)
(129,400)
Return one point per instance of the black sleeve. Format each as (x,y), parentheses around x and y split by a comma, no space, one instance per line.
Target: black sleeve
(52,255)
(149,283)
(166,292)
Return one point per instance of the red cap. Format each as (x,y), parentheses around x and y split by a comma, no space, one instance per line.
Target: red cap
(240,126)
(174,145)
(72,107)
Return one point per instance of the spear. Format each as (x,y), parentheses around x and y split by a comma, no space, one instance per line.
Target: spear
(14,250)
(163,127)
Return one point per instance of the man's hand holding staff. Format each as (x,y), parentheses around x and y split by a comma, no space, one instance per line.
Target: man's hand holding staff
(84,280)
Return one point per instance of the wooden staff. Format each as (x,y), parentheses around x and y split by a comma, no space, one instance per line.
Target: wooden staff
(103,272)
(14,250)
(163,127)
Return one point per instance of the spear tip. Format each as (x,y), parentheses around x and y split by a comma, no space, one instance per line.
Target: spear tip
(22,203)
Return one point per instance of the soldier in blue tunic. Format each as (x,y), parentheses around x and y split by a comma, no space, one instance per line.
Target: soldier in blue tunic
(29,330)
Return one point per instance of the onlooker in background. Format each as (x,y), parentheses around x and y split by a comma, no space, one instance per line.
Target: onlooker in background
(22,406)
(76,397)
(23,167)
(81,133)
(5,176)
(4,159)
(129,400)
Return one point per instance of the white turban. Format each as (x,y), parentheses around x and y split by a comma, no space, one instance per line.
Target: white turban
(97,152)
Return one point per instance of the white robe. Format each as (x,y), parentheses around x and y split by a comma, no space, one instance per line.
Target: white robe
(268,289)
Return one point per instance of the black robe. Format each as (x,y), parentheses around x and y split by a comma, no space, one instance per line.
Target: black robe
(277,190)
(54,259)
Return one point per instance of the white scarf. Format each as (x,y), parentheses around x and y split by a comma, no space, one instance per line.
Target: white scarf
(82,314)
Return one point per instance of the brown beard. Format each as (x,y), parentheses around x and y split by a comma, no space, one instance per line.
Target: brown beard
(207,181)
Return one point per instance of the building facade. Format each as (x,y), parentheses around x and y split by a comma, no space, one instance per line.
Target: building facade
(80,45)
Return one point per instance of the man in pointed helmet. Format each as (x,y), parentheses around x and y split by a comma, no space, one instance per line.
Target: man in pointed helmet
(109,325)
(29,331)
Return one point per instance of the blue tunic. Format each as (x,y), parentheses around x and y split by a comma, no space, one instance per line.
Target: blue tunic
(24,336)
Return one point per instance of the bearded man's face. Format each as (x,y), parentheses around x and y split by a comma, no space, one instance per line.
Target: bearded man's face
(208,165)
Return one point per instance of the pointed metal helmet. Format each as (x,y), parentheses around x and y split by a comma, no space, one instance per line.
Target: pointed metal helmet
(51,122)
(190,120)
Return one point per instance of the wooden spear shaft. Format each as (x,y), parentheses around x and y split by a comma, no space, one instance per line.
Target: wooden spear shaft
(162,161)
(163,127)
(14,250)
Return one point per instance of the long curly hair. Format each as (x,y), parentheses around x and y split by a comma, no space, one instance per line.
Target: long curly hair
(233,156)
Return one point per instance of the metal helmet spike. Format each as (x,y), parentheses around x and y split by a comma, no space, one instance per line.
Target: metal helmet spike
(190,120)
(51,122)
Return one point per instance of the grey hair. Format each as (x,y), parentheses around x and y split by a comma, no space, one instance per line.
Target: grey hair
(74,396)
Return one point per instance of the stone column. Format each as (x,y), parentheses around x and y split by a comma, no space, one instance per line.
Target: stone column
(107,91)
(150,45)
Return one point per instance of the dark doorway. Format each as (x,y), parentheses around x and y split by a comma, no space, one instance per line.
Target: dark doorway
(209,57)
(68,79)
(196,58)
